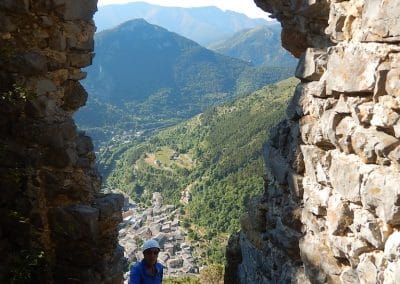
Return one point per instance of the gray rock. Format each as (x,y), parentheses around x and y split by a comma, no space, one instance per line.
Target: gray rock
(343,76)
(306,101)
(381,193)
(277,164)
(58,41)
(312,65)
(394,156)
(69,11)
(370,143)
(315,253)
(345,176)
(392,273)
(80,59)
(58,157)
(339,216)
(15,6)
(381,22)
(369,228)
(367,271)
(28,63)
(383,114)
(84,145)
(109,205)
(79,222)
(337,18)
(392,247)
(392,82)
(344,132)
(316,197)
(44,87)
(349,276)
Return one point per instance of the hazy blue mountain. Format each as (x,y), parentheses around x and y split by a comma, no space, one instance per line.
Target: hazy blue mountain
(145,77)
(137,60)
(202,24)
(259,45)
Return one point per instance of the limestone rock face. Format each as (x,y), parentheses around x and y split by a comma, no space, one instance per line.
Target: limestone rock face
(331,208)
(56,227)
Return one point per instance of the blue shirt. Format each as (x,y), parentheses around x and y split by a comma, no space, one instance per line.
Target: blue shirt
(140,275)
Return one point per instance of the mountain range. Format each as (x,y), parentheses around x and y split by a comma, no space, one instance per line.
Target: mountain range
(144,76)
(146,81)
(260,45)
(202,24)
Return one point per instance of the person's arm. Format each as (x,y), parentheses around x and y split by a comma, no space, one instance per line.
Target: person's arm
(134,277)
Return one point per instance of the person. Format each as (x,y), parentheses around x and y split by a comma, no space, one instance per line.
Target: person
(147,271)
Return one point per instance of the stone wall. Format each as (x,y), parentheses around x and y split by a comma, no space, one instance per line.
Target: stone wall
(55,226)
(331,208)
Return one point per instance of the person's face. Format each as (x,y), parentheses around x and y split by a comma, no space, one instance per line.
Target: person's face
(151,255)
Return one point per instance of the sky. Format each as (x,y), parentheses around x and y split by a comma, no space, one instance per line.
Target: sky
(247,7)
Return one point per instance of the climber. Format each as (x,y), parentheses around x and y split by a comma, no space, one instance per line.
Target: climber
(147,271)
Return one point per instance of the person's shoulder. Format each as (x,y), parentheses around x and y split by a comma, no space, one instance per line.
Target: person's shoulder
(159,266)
(137,266)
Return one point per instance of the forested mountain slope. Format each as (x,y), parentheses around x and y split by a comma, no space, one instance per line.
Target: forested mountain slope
(260,45)
(215,158)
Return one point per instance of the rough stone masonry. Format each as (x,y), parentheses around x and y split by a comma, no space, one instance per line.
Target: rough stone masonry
(55,226)
(331,208)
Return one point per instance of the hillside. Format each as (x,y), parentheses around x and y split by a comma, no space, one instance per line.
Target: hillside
(144,77)
(201,24)
(213,160)
(260,45)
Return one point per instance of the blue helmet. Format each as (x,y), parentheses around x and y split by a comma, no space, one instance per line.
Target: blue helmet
(150,244)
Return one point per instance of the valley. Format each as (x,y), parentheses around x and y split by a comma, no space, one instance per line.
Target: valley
(210,165)
(174,121)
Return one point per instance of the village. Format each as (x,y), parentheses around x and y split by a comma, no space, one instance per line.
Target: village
(160,222)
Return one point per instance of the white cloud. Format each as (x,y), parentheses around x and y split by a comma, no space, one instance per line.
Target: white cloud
(247,7)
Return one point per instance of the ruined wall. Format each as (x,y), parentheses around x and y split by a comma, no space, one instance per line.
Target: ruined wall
(55,226)
(331,208)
